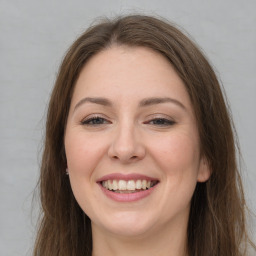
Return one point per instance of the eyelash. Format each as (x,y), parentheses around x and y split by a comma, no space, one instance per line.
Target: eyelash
(91,121)
(163,122)
(98,120)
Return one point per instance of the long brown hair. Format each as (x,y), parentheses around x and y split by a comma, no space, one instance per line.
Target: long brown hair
(217,225)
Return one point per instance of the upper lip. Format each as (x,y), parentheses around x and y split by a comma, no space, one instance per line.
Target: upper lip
(126,177)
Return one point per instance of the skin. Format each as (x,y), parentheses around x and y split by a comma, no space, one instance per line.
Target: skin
(159,140)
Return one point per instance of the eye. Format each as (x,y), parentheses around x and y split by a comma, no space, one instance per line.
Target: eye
(161,122)
(94,121)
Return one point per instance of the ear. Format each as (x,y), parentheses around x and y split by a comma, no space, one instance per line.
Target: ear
(204,171)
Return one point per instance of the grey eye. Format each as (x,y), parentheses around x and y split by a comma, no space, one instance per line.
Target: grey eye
(161,122)
(94,121)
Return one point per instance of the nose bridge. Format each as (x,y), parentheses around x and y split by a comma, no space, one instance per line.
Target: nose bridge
(126,145)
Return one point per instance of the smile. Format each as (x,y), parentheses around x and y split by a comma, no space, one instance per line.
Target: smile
(129,186)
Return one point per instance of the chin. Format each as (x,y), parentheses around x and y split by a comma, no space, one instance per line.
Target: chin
(129,224)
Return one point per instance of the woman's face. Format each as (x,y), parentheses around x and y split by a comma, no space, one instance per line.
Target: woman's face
(132,143)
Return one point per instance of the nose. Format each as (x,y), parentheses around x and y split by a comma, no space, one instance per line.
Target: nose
(126,146)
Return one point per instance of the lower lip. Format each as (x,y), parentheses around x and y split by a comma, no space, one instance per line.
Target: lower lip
(129,197)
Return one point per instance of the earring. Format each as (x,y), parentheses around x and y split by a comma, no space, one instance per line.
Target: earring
(67,172)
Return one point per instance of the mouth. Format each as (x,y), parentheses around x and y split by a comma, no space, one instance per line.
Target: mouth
(128,186)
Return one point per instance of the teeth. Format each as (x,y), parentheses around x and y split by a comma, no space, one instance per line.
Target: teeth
(110,185)
(144,184)
(130,185)
(138,184)
(123,186)
(104,184)
(115,185)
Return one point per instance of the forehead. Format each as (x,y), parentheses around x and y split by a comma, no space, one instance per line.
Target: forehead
(123,72)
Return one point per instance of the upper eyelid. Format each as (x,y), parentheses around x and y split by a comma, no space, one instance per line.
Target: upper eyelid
(90,122)
(92,117)
(160,118)
(96,115)
(166,122)
(151,116)
(147,118)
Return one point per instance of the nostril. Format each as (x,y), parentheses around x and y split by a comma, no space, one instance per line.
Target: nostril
(126,159)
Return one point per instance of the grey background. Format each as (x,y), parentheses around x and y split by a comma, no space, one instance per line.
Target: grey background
(33,38)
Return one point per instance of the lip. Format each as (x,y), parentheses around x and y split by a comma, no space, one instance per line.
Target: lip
(129,197)
(126,197)
(126,177)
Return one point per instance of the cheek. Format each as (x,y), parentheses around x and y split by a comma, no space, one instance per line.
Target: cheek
(177,155)
(83,152)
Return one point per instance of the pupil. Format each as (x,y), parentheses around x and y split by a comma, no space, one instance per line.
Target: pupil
(97,120)
(159,121)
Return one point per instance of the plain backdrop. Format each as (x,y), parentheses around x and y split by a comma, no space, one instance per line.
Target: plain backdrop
(34,36)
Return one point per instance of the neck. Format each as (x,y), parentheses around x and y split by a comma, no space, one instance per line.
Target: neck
(171,242)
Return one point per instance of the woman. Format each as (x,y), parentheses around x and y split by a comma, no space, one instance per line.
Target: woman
(139,154)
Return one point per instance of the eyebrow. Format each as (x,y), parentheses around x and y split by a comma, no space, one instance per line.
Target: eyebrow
(156,100)
(144,103)
(100,101)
